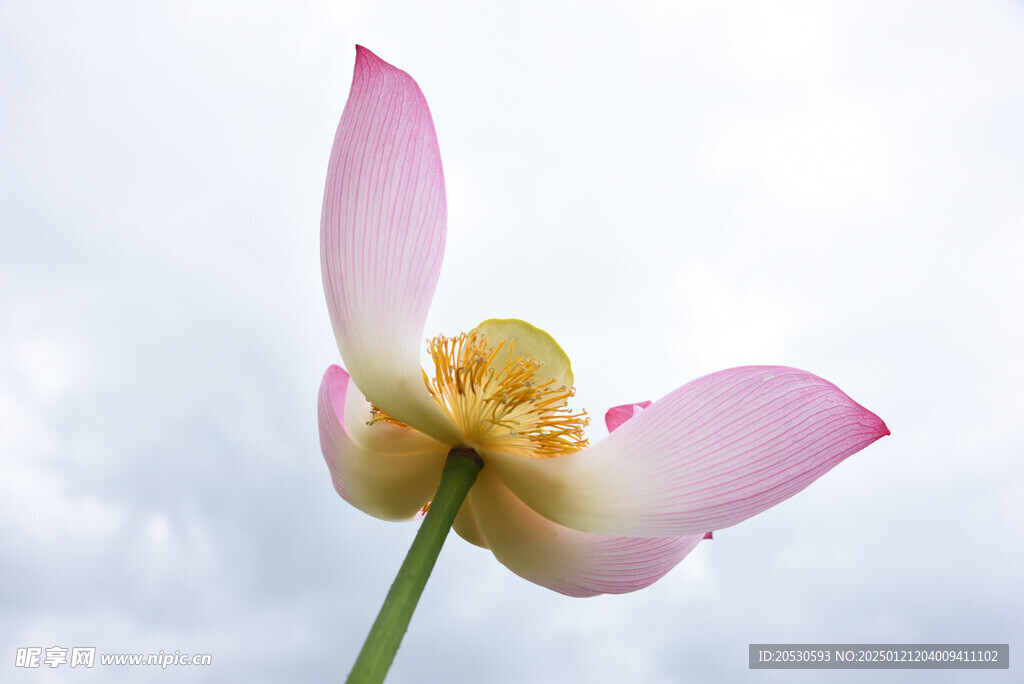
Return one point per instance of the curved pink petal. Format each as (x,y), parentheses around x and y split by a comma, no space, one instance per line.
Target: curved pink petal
(382,236)
(381,436)
(391,486)
(617,415)
(466,526)
(708,455)
(565,560)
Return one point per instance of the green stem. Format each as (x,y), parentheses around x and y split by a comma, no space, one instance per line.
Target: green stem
(460,471)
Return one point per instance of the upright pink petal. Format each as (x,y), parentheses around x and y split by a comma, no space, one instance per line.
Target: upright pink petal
(382,239)
(391,486)
(565,560)
(708,455)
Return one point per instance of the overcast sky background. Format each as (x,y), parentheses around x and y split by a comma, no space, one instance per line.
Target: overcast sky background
(669,190)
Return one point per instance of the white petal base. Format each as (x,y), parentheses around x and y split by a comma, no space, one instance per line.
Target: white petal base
(565,560)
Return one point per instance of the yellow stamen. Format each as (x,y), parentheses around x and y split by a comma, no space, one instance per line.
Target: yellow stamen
(492,396)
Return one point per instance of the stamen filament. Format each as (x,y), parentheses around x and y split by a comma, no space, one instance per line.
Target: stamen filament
(496,401)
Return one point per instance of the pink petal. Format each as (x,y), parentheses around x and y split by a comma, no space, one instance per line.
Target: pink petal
(709,455)
(382,239)
(391,486)
(565,560)
(617,415)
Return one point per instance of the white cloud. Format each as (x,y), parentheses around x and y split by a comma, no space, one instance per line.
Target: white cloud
(830,156)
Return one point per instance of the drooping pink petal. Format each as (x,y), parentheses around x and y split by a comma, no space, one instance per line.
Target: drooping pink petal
(565,560)
(382,237)
(390,486)
(708,455)
(617,415)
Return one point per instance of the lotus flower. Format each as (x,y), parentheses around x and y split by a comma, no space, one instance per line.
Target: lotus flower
(580,519)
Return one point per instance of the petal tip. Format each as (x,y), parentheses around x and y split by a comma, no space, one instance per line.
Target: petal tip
(370,67)
(336,378)
(617,415)
(332,394)
(365,56)
(876,424)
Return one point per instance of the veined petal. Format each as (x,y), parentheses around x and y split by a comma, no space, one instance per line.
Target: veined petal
(710,454)
(382,236)
(390,486)
(617,415)
(565,560)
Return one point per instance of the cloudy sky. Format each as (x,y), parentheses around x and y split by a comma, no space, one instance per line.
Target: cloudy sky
(669,190)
